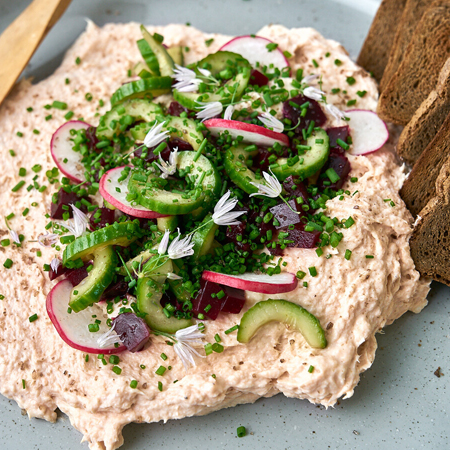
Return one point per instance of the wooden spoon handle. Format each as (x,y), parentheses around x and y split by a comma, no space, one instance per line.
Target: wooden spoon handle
(21,39)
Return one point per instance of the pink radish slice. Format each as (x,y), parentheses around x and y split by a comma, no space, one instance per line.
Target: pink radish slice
(369,133)
(73,328)
(254,50)
(68,161)
(263,283)
(108,190)
(252,134)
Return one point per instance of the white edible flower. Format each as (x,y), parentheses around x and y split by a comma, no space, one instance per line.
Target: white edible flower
(183,348)
(14,236)
(228,112)
(186,80)
(155,136)
(164,242)
(47,239)
(272,188)
(308,79)
(209,110)
(335,112)
(313,93)
(78,225)
(109,338)
(54,264)
(270,121)
(205,72)
(222,214)
(173,276)
(181,248)
(168,168)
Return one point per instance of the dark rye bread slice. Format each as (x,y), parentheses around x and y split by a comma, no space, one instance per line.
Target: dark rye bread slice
(375,51)
(430,241)
(411,15)
(417,74)
(420,186)
(427,120)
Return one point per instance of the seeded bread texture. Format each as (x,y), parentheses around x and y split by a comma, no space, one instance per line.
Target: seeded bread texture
(418,73)
(411,14)
(430,241)
(375,52)
(420,187)
(427,120)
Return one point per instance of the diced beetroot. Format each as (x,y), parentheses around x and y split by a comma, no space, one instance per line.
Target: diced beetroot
(175,109)
(118,289)
(76,276)
(169,297)
(151,156)
(64,198)
(132,330)
(285,215)
(295,188)
(61,270)
(340,163)
(203,299)
(301,238)
(92,140)
(180,144)
(261,160)
(314,112)
(234,300)
(234,231)
(101,217)
(336,133)
(257,78)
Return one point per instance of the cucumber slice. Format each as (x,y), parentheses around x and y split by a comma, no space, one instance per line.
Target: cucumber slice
(149,57)
(204,237)
(147,87)
(178,127)
(167,223)
(286,312)
(100,277)
(138,109)
(165,62)
(232,89)
(149,293)
(176,53)
(122,234)
(176,286)
(312,161)
(173,203)
(235,163)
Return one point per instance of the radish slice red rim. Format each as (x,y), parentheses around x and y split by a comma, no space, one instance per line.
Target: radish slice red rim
(369,133)
(252,134)
(255,50)
(73,327)
(262,283)
(115,192)
(61,147)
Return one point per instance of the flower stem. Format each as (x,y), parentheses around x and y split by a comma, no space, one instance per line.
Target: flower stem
(289,206)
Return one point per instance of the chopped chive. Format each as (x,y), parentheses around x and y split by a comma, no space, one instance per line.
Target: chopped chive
(163,356)
(117,370)
(369,256)
(230,330)
(77,60)
(114,359)
(133,384)
(160,385)
(18,186)
(311,369)
(312,271)
(160,370)
(12,152)
(348,254)
(33,318)
(241,431)
(23,384)
(351,81)
(59,105)
(315,63)
(68,115)
(8,264)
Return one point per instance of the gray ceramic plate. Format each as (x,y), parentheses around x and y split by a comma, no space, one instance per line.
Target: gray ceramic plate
(399,403)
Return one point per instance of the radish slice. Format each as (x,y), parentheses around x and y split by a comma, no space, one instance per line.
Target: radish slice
(73,328)
(108,190)
(263,283)
(68,161)
(254,50)
(252,134)
(369,133)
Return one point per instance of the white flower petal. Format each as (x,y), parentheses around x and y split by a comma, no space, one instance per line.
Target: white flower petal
(204,72)
(54,264)
(222,214)
(164,242)
(186,80)
(47,239)
(14,236)
(308,79)
(228,112)
(270,121)
(108,338)
(181,248)
(313,93)
(272,188)
(168,168)
(155,136)
(335,112)
(80,221)
(173,276)
(209,110)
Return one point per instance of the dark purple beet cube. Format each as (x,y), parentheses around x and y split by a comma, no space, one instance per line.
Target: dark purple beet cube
(296,188)
(76,276)
(261,159)
(285,215)
(92,140)
(336,133)
(132,330)
(302,238)
(341,165)
(175,109)
(234,300)
(169,298)
(101,217)
(257,78)
(53,274)
(151,156)
(232,233)
(314,112)
(180,144)
(64,198)
(203,299)
(118,289)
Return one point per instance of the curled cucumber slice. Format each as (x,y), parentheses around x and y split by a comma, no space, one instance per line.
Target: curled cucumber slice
(92,287)
(145,189)
(165,62)
(203,238)
(291,314)
(138,109)
(146,87)
(235,163)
